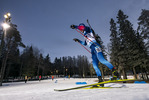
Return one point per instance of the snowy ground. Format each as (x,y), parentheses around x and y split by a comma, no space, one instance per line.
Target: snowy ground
(44,90)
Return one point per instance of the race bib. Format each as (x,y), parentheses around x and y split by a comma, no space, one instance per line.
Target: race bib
(98,49)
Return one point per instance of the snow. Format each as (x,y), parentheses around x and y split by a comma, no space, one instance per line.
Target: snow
(44,90)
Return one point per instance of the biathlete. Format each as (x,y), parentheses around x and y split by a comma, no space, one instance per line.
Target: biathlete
(96,50)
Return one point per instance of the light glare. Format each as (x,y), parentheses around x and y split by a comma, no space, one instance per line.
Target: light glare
(5,25)
(5,16)
(8,14)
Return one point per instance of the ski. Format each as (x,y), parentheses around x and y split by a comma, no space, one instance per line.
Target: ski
(101,87)
(85,86)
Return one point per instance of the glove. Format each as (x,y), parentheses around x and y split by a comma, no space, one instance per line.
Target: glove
(76,40)
(72,26)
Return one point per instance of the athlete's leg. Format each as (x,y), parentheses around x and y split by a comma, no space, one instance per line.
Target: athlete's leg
(95,64)
(102,59)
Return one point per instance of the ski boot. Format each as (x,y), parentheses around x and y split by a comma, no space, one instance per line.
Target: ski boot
(116,75)
(99,80)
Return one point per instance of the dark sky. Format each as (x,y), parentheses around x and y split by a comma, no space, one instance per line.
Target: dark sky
(46,23)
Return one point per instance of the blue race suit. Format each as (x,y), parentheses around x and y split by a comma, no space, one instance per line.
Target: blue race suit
(96,51)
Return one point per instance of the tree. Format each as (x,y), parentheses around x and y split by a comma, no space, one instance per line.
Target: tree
(115,45)
(47,65)
(127,47)
(9,43)
(83,65)
(57,66)
(143,37)
(40,65)
(143,27)
(124,41)
(29,64)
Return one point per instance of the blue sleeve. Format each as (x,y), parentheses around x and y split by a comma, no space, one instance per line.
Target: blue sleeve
(83,43)
(76,26)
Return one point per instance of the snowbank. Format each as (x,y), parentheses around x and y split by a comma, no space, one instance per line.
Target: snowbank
(44,90)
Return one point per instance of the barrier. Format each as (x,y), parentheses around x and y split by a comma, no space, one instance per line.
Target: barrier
(140,82)
(78,83)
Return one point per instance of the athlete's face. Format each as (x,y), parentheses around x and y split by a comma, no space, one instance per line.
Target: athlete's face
(82,31)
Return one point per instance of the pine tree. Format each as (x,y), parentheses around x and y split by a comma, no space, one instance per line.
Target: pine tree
(143,27)
(40,65)
(115,44)
(143,36)
(131,48)
(10,43)
(29,62)
(127,42)
(141,59)
(47,65)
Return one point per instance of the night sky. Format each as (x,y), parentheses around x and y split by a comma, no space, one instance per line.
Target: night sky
(45,24)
